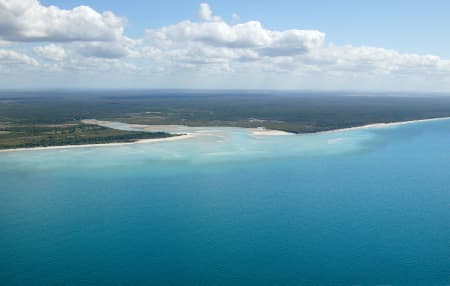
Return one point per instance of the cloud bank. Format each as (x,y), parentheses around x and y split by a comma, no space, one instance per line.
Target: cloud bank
(208,52)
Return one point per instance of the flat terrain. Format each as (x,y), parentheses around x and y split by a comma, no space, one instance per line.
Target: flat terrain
(46,118)
(74,134)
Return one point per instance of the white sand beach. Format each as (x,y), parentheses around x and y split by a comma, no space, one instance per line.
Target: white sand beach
(261,131)
(142,141)
(383,125)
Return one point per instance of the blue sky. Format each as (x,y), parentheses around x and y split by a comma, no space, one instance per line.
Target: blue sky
(374,45)
(409,26)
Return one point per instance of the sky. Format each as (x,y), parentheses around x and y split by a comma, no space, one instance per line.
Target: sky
(284,44)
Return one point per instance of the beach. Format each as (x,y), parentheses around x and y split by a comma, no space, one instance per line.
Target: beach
(261,131)
(382,125)
(187,132)
(142,141)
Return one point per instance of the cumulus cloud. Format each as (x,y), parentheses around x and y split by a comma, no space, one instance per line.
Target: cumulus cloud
(51,52)
(250,48)
(250,35)
(205,13)
(28,20)
(85,41)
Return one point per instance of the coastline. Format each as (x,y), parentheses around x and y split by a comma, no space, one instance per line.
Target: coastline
(382,125)
(112,144)
(255,132)
(261,131)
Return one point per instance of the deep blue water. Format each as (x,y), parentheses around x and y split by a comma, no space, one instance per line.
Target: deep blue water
(361,207)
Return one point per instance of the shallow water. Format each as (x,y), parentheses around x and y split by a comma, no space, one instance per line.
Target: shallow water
(355,207)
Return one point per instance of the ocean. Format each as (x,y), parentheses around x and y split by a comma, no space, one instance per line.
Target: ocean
(366,206)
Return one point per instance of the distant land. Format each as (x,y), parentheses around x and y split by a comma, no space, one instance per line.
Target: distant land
(54,118)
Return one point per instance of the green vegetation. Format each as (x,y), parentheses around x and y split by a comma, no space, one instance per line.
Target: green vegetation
(74,134)
(48,118)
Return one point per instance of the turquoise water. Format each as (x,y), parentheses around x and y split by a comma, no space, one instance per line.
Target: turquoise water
(359,207)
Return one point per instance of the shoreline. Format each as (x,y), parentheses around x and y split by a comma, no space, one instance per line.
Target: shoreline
(112,144)
(381,125)
(256,132)
(261,131)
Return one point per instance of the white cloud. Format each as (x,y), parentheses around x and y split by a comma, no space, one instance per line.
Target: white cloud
(205,13)
(243,55)
(12,58)
(374,60)
(250,35)
(250,47)
(125,47)
(51,52)
(28,20)
(95,66)
(103,50)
